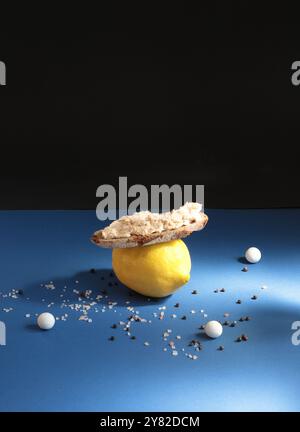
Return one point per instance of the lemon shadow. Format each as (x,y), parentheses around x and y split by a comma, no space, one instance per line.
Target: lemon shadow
(98,281)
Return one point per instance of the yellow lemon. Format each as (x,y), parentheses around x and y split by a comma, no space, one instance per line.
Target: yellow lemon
(156,270)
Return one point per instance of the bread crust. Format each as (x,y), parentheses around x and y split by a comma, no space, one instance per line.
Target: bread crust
(146,240)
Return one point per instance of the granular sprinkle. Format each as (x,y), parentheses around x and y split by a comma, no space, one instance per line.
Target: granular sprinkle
(88,303)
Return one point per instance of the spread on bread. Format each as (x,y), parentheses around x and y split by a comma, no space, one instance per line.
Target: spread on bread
(148,228)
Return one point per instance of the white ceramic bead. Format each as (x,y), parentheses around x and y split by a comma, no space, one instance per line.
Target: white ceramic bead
(213,329)
(253,255)
(46,321)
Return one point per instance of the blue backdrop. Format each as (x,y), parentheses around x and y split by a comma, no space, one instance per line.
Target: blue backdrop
(75,367)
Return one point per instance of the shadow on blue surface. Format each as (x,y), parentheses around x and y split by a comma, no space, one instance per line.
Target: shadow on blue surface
(243,260)
(33,328)
(102,281)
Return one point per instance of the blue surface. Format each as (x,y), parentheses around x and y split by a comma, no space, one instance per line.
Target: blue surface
(75,368)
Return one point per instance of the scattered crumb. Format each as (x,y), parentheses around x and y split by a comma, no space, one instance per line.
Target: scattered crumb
(85,302)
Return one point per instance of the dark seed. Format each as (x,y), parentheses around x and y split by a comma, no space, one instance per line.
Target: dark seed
(238,339)
(202,327)
(184,317)
(241,319)
(216,291)
(133,337)
(222,290)
(247,318)
(114,326)
(238,301)
(244,337)
(20,292)
(112,338)
(232,324)
(92,270)
(194,292)
(176,305)
(245,269)
(254,297)
(82,294)
(221,348)
(226,323)
(195,343)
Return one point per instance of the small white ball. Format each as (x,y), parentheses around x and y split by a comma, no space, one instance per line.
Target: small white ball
(213,329)
(253,255)
(46,321)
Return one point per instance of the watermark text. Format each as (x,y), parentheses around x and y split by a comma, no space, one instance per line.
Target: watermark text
(126,201)
(2,73)
(2,333)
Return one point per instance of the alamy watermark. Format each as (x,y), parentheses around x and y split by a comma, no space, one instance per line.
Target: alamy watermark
(2,333)
(2,73)
(126,201)
(296,335)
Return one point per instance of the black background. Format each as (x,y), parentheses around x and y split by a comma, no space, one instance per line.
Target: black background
(179,96)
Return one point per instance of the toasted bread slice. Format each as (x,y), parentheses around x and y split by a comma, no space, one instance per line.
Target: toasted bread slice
(145,228)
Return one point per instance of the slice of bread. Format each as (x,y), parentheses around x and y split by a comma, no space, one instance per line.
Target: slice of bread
(152,228)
